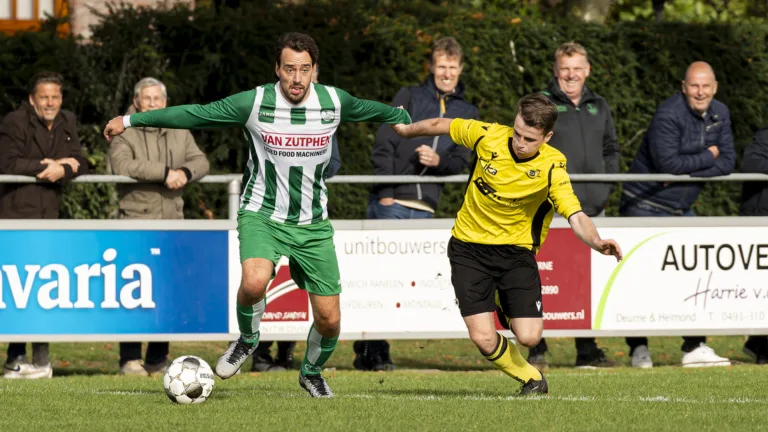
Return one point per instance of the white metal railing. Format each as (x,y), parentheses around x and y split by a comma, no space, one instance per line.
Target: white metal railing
(460,178)
(233,181)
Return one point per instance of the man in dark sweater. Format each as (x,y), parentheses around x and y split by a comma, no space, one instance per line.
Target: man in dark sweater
(585,134)
(690,133)
(440,95)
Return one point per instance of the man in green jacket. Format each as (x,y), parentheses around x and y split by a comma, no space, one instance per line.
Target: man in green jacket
(586,135)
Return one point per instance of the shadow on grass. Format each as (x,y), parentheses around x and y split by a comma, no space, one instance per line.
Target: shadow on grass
(443,366)
(81,371)
(514,389)
(410,363)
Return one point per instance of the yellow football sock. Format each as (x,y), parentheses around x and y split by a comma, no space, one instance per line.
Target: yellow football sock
(506,357)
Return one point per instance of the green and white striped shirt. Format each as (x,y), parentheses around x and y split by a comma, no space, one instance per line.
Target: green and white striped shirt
(289,145)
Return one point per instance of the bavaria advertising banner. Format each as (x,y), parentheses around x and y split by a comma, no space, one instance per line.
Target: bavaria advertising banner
(113,282)
(683,279)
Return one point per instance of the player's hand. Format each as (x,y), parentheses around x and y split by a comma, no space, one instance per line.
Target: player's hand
(176,179)
(53,172)
(427,156)
(386,201)
(609,247)
(114,128)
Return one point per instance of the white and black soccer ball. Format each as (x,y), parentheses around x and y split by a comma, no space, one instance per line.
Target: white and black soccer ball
(188,380)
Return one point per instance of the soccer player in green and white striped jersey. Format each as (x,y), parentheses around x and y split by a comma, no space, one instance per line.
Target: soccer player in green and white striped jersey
(288,127)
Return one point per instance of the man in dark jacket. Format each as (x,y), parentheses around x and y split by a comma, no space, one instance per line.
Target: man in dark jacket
(689,134)
(754,196)
(38,139)
(585,134)
(754,202)
(441,95)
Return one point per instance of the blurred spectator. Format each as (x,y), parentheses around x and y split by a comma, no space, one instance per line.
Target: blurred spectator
(689,134)
(585,133)
(440,95)
(166,160)
(38,139)
(262,359)
(754,202)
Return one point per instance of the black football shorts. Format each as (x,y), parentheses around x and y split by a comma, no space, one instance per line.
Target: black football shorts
(479,271)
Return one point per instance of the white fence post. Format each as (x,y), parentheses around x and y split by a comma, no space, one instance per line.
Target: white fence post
(233,191)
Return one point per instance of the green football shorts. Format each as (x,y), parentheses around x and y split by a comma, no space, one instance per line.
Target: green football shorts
(309,248)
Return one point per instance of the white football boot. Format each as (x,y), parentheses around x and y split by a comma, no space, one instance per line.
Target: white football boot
(229,363)
(315,385)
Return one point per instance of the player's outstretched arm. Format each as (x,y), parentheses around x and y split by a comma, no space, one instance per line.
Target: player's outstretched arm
(231,111)
(428,127)
(360,110)
(586,231)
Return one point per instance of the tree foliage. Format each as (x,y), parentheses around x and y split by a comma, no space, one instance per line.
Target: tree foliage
(691,11)
(371,50)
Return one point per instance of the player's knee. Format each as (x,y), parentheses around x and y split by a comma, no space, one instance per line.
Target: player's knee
(327,322)
(528,339)
(254,286)
(484,341)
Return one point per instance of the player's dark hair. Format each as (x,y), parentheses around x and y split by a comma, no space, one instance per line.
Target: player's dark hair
(538,112)
(45,77)
(298,42)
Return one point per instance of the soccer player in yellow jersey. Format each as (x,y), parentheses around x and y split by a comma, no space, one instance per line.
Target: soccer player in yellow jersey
(517,183)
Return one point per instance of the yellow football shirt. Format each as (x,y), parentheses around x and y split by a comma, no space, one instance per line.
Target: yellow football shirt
(510,201)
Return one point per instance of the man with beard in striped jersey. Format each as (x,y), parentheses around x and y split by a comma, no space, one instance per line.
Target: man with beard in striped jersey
(289,128)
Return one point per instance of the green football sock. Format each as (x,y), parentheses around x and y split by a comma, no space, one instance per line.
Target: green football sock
(319,350)
(249,320)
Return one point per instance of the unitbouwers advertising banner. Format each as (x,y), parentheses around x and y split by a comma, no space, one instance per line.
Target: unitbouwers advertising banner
(683,279)
(113,282)
(397,284)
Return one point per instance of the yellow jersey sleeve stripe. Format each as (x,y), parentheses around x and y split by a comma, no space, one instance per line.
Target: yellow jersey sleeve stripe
(566,202)
(474,146)
(537,225)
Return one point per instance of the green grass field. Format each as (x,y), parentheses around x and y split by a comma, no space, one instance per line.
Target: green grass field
(439,385)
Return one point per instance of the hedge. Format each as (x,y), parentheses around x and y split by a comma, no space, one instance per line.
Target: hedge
(203,55)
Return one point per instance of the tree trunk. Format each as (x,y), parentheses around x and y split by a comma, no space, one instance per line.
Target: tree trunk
(658,9)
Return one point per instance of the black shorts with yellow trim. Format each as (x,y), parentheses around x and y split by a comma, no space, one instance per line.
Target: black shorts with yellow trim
(495,278)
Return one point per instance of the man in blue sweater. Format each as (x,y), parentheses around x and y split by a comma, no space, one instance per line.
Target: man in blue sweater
(440,95)
(689,134)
